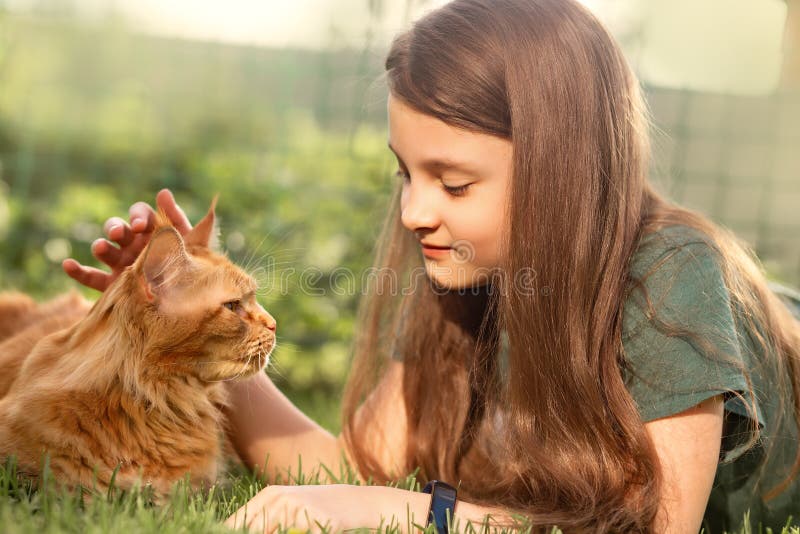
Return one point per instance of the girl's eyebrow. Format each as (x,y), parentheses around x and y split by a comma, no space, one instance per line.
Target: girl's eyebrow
(435,164)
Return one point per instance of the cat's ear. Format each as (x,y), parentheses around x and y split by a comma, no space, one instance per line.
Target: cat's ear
(164,261)
(206,232)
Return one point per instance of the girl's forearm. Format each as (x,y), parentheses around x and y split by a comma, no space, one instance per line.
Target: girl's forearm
(265,426)
(409,508)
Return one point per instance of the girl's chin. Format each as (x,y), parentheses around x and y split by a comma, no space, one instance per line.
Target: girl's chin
(450,278)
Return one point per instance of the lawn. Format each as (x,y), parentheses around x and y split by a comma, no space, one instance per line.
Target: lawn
(46,509)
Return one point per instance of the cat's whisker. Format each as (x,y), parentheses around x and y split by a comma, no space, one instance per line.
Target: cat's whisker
(251,256)
(283,238)
(247,367)
(275,369)
(277,261)
(269,266)
(284,253)
(201,362)
(274,269)
(275,250)
(268,277)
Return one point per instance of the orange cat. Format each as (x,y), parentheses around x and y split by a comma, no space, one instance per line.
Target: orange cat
(134,381)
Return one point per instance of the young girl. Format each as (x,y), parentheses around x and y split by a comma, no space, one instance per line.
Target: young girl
(580,350)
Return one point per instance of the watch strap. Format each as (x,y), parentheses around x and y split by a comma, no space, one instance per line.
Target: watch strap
(443,504)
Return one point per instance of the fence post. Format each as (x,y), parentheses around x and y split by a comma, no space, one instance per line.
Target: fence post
(790,73)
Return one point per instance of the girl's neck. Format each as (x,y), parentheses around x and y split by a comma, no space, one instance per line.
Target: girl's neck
(468,307)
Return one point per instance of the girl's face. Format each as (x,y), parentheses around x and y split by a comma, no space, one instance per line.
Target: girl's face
(455,186)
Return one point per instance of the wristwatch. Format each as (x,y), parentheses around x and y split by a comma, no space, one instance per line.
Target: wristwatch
(443,504)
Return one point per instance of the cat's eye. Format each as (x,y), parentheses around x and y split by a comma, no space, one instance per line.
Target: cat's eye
(232,305)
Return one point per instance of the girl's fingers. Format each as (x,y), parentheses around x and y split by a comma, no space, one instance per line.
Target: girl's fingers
(105,252)
(132,238)
(239,517)
(129,254)
(260,522)
(166,202)
(118,230)
(251,518)
(142,217)
(88,276)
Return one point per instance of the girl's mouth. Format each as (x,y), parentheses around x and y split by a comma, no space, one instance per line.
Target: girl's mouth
(435,252)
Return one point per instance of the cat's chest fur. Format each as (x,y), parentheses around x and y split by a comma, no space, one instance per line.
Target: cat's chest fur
(90,434)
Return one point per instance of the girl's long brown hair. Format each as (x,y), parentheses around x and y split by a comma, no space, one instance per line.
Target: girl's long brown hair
(571,449)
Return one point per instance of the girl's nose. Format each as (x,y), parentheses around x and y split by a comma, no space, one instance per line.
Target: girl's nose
(417,211)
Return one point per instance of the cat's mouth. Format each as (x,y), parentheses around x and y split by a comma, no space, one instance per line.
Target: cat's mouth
(258,351)
(241,361)
(256,360)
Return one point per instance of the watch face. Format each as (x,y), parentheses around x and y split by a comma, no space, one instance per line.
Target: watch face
(445,491)
(437,484)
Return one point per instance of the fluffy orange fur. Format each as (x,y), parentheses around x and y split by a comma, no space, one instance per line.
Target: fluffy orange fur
(134,382)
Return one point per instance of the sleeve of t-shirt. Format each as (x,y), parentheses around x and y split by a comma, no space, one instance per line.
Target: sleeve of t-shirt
(668,370)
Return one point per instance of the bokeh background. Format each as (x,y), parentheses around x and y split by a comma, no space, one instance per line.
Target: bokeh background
(280,107)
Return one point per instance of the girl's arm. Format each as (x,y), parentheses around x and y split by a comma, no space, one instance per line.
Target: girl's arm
(267,430)
(344,507)
(688,447)
(264,423)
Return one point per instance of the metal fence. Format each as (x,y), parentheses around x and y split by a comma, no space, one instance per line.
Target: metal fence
(736,159)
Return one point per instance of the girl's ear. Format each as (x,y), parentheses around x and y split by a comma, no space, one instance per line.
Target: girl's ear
(163,262)
(206,233)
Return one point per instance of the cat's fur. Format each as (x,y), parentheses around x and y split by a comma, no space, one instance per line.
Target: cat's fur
(135,381)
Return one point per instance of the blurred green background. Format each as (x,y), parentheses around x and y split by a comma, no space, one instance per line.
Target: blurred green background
(104,103)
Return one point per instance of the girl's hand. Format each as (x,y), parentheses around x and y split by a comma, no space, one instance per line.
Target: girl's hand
(336,507)
(131,239)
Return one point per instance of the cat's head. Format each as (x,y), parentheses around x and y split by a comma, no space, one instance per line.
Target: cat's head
(199,313)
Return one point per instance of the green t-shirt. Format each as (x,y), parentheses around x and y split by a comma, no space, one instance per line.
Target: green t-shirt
(669,373)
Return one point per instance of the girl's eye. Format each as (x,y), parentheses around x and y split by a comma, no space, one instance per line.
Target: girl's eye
(455,191)
(401,174)
(459,191)
(232,305)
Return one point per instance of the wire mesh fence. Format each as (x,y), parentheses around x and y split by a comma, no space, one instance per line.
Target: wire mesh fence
(737,159)
(139,113)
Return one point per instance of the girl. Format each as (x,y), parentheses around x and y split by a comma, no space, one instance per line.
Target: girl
(582,351)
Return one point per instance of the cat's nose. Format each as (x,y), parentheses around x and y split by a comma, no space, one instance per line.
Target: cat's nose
(266,318)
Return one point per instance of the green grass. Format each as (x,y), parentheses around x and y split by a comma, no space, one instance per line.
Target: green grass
(48,508)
